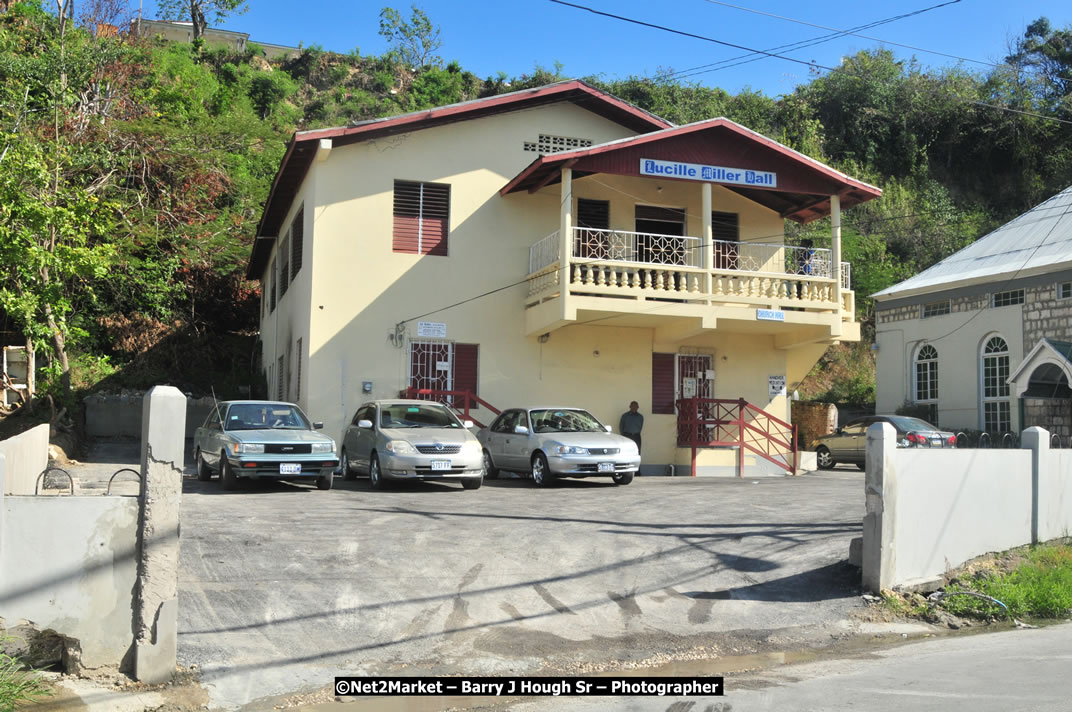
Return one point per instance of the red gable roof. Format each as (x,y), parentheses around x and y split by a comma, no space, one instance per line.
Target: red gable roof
(804,185)
(303,145)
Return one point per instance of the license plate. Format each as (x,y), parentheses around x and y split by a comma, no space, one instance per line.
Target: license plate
(440,464)
(937,442)
(289,469)
(606,467)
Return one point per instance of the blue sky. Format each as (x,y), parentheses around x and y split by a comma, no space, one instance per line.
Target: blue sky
(513,36)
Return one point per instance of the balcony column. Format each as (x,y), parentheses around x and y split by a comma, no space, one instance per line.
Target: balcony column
(835,257)
(565,230)
(708,242)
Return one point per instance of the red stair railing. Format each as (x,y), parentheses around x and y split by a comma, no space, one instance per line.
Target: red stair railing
(720,422)
(451,399)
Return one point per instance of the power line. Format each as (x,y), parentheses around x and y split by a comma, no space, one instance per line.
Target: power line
(853,32)
(815,65)
(835,33)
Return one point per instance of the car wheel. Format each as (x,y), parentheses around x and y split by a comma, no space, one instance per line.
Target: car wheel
(824,459)
(325,482)
(227,473)
(541,473)
(622,478)
(204,474)
(472,482)
(374,476)
(347,473)
(490,470)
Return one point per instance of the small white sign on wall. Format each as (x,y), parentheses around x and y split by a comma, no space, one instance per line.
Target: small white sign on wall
(776,385)
(442,365)
(432,329)
(688,387)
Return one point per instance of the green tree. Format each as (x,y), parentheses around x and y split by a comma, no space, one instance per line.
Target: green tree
(416,41)
(196,11)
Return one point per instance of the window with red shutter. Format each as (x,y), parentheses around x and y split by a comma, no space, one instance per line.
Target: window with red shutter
(662,384)
(422,218)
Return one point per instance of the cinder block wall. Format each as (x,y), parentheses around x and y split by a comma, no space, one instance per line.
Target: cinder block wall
(813,420)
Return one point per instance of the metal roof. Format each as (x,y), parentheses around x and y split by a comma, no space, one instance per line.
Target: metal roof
(303,145)
(1038,241)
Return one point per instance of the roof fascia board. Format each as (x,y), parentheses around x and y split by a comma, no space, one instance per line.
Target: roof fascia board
(975,287)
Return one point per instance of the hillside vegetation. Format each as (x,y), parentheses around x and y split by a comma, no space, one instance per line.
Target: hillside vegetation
(133,173)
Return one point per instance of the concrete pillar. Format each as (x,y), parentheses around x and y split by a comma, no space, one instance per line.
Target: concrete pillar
(708,237)
(880,507)
(835,256)
(565,237)
(163,428)
(1037,440)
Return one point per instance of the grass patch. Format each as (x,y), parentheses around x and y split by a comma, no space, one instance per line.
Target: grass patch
(17,684)
(1038,586)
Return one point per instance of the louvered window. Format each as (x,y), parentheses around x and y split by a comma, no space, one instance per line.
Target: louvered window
(422,217)
(297,240)
(271,289)
(284,266)
(297,386)
(662,384)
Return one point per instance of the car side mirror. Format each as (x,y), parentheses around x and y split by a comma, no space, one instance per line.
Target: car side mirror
(367,424)
(608,428)
(467,424)
(521,430)
(318,425)
(837,431)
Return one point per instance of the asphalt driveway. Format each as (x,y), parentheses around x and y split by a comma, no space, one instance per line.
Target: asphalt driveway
(284,586)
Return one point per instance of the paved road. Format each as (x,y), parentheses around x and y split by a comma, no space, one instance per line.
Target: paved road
(282,587)
(988,672)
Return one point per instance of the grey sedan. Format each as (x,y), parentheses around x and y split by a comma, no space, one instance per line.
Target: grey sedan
(557,442)
(849,443)
(411,440)
(263,440)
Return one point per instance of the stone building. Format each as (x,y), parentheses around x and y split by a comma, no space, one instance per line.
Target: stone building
(983,339)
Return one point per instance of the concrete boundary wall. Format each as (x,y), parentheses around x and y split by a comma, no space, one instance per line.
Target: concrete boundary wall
(100,573)
(1055,496)
(27,456)
(928,511)
(120,416)
(78,577)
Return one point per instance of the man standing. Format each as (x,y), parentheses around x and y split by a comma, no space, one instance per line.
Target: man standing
(631,424)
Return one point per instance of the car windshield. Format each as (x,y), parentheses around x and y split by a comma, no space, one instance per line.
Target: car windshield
(258,416)
(408,415)
(564,421)
(907,424)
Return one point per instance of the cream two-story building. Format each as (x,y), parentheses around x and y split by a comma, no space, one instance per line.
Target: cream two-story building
(549,246)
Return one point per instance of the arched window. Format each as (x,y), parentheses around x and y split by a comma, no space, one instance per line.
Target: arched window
(926,374)
(995,368)
(926,388)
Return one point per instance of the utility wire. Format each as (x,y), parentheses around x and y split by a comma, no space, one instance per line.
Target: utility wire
(853,32)
(815,65)
(835,34)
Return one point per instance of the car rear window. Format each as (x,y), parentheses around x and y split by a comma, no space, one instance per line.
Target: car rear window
(905,423)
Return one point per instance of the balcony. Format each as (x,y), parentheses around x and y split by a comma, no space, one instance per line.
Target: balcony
(643,276)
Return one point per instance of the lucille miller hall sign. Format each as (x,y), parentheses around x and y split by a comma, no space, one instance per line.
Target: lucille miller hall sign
(712,174)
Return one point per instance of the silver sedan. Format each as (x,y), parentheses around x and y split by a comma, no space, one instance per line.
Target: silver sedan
(557,442)
(263,440)
(411,440)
